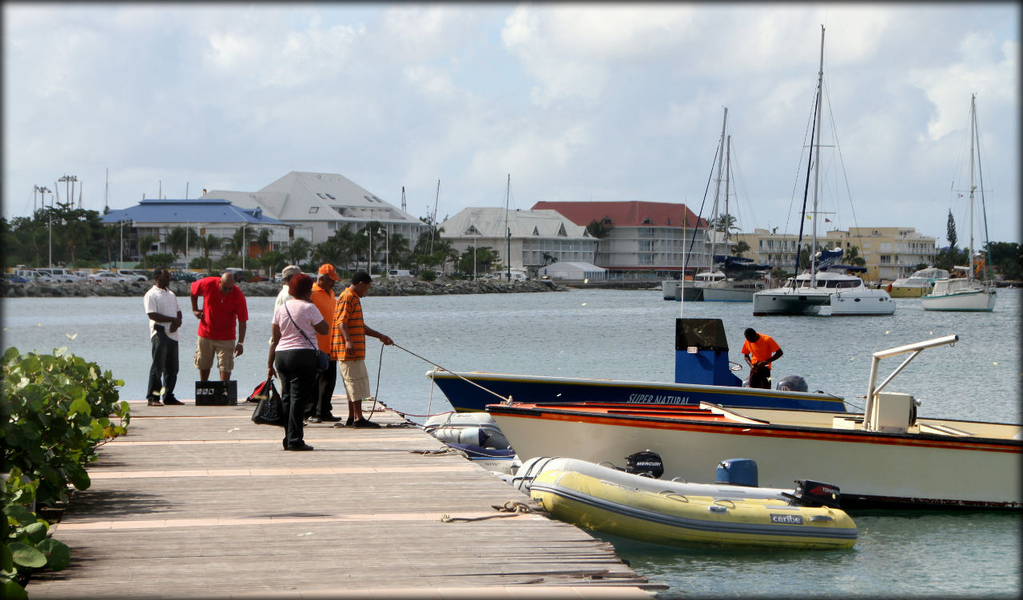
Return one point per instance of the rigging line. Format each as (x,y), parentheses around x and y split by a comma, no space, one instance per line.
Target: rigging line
(841,161)
(983,206)
(742,182)
(692,240)
(795,182)
(806,188)
(452,372)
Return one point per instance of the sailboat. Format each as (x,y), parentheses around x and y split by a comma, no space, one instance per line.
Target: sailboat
(964,293)
(824,289)
(740,277)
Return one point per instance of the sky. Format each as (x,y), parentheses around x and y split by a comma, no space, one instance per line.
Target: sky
(573,102)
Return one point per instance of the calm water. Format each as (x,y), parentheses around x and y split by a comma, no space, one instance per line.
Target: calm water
(630,334)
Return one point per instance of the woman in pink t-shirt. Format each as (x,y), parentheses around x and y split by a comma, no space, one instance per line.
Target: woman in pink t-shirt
(293,356)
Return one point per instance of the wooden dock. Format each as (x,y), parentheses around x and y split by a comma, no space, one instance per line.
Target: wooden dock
(198,501)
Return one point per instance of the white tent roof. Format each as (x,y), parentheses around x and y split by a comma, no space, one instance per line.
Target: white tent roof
(301,196)
(573,270)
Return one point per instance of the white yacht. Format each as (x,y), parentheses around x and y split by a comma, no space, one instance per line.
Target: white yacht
(917,284)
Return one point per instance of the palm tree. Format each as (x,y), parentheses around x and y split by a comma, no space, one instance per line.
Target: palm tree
(243,238)
(263,240)
(111,240)
(598,230)
(298,250)
(145,244)
(398,250)
(740,248)
(177,239)
(271,261)
(327,253)
(206,245)
(371,237)
(76,234)
(853,257)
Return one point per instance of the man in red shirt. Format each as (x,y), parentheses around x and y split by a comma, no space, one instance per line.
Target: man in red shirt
(223,305)
(760,351)
(323,298)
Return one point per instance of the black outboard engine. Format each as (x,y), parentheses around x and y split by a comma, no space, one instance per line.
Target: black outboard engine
(645,463)
(792,383)
(815,493)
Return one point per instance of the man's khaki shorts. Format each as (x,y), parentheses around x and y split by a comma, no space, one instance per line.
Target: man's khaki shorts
(353,373)
(207,348)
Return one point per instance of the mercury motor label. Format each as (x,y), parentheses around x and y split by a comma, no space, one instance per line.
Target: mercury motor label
(657,399)
(787,519)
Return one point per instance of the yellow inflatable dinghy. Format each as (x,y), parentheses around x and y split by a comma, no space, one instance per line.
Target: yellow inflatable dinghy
(675,519)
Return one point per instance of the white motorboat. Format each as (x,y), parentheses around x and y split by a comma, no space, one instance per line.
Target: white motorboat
(966,293)
(886,457)
(917,284)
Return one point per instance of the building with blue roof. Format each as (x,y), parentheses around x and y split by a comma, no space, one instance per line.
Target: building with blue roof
(207,216)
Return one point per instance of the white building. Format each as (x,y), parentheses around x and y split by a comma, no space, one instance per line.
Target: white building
(537,236)
(318,204)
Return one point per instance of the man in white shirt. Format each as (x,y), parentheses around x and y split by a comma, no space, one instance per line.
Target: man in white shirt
(164,321)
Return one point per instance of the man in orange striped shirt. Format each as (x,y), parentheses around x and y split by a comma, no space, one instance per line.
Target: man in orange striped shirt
(348,346)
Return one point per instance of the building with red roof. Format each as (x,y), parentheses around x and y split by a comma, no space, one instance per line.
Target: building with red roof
(642,236)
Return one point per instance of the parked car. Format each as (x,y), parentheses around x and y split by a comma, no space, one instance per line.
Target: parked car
(56,275)
(187,276)
(109,277)
(15,278)
(132,275)
(258,278)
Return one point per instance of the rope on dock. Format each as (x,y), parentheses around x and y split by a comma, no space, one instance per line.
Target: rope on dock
(440,368)
(514,508)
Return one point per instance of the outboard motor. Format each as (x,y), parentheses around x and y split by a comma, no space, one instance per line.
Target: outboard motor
(815,493)
(738,471)
(646,463)
(792,383)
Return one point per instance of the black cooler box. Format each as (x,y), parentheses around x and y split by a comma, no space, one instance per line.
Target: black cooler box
(216,393)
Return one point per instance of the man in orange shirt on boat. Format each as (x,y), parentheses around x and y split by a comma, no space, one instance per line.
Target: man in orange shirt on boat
(760,351)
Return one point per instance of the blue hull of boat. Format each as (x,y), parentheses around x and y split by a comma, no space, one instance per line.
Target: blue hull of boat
(466,397)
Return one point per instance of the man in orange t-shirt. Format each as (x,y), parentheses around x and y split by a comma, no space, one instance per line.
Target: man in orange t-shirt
(760,351)
(323,298)
(348,346)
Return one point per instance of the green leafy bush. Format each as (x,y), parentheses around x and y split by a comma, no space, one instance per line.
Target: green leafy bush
(24,545)
(428,275)
(56,412)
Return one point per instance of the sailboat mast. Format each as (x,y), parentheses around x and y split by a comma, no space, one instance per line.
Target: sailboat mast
(717,192)
(433,230)
(507,196)
(728,172)
(973,117)
(817,165)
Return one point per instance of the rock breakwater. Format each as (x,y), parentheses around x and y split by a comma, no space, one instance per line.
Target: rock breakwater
(381,287)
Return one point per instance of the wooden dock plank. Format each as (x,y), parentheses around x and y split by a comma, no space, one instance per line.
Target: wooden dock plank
(201,502)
